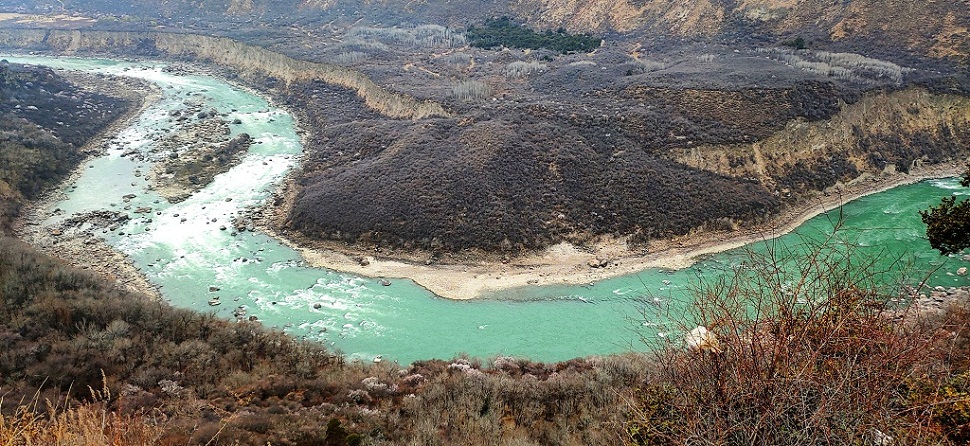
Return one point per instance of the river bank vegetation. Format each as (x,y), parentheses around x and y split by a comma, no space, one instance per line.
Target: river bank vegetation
(820,355)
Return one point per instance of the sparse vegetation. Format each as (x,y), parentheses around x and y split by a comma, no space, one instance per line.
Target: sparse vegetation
(424,36)
(504,32)
(349,58)
(457,59)
(638,65)
(471,90)
(846,66)
(707,58)
(520,68)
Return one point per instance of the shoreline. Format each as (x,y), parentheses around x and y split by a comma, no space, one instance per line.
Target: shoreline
(91,253)
(561,264)
(77,249)
(565,264)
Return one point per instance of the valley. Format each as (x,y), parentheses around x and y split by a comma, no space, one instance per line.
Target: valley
(290,206)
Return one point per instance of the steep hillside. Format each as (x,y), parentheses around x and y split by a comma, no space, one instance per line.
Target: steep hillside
(938,29)
(244,60)
(44,122)
(885,131)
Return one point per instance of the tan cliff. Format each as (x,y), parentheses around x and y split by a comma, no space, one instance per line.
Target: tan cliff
(242,58)
(920,119)
(892,21)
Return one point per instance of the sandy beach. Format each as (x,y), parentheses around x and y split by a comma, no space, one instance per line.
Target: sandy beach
(564,264)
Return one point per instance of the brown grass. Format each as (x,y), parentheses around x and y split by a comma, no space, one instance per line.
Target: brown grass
(60,424)
(817,354)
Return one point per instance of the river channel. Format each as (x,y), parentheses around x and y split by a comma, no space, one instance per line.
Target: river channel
(181,248)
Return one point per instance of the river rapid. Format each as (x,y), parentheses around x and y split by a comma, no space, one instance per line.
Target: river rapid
(183,249)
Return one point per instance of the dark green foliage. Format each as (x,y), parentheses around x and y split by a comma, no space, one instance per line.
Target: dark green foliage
(504,32)
(948,223)
(797,43)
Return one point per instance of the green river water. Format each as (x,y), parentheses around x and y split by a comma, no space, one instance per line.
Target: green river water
(404,322)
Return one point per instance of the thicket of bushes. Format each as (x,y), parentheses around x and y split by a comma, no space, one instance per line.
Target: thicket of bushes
(505,32)
(822,352)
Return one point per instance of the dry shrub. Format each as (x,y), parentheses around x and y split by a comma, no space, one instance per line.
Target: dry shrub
(470,90)
(807,353)
(89,424)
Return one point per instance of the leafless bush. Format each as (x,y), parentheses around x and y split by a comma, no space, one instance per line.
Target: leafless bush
(523,69)
(647,65)
(424,36)
(846,66)
(350,57)
(456,59)
(471,91)
(707,58)
(363,45)
(803,351)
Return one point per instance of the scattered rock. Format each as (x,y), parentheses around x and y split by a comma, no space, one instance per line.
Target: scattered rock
(385,282)
(962,271)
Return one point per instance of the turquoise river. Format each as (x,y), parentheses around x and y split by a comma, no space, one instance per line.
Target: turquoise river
(403,322)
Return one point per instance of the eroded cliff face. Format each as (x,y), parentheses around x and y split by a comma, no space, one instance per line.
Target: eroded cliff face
(242,58)
(936,28)
(885,131)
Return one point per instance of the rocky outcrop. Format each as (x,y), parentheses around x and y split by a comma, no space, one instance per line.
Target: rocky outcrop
(240,57)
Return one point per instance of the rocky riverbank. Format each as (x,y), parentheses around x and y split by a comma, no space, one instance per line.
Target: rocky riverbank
(74,240)
(194,156)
